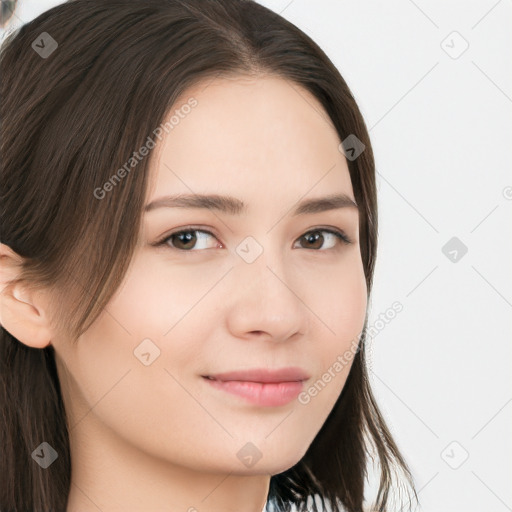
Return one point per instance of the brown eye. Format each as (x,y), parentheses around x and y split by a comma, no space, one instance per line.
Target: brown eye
(186,240)
(315,239)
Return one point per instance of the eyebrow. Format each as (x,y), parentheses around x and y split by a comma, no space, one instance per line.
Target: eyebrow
(234,206)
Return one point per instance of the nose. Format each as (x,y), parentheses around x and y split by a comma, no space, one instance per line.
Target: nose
(265,301)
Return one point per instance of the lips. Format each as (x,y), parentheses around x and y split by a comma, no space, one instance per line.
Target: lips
(262,375)
(261,386)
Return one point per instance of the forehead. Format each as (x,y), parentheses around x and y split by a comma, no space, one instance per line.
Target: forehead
(250,137)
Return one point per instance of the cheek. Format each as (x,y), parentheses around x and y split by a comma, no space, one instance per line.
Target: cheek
(109,385)
(151,312)
(159,295)
(340,302)
(338,297)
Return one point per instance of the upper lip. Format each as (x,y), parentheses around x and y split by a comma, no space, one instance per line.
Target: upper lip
(263,375)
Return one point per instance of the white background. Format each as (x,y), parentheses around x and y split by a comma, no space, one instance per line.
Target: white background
(441,130)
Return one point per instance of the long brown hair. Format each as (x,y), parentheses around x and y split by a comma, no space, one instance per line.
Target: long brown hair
(70,118)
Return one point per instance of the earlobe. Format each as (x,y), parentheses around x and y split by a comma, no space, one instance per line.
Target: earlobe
(21,312)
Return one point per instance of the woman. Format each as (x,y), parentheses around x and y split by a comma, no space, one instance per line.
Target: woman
(189,233)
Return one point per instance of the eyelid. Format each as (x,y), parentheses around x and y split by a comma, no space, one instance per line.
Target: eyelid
(339,233)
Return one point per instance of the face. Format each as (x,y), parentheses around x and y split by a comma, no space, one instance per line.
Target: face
(211,291)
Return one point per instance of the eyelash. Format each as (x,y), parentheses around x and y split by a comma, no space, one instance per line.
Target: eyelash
(340,235)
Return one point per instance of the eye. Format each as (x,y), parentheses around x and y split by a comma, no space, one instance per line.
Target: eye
(314,239)
(187,240)
(184,240)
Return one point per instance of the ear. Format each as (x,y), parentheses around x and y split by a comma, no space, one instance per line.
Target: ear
(22,309)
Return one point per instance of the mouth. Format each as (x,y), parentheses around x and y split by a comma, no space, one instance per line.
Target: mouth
(261,386)
(262,375)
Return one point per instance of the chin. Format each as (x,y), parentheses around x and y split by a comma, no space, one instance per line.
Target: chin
(277,463)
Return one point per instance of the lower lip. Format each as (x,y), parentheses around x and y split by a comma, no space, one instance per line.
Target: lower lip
(269,394)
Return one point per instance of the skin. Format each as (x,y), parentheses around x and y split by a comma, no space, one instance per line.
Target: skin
(159,437)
